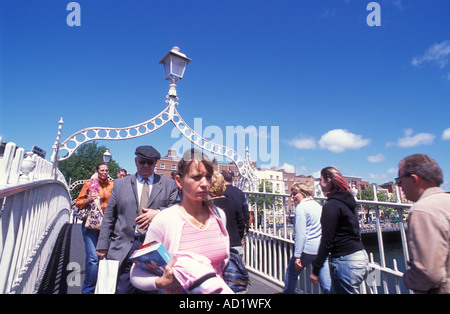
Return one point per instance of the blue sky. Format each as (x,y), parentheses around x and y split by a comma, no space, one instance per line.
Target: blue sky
(338,91)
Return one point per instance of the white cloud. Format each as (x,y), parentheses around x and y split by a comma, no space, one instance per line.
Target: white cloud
(392,170)
(340,140)
(316,174)
(288,168)
(446,134)
(419,139)
(303,143)
(329,14)
(438,54)
(376,158)
(302,170)
(398,4)
(376,176)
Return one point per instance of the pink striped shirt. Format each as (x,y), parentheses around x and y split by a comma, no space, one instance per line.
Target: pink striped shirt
(207,242)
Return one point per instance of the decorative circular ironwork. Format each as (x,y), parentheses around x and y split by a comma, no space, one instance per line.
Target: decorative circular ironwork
(100,133)
(248,178)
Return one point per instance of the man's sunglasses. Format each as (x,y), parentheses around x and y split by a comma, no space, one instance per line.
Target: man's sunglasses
(148,162)
(398,180)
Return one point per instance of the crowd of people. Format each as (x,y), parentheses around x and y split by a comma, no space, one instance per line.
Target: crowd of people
(198,215)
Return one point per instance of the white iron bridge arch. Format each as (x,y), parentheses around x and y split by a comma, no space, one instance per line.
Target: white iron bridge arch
(248,179)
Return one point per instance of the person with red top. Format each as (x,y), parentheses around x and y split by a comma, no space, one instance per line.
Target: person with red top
(90,236)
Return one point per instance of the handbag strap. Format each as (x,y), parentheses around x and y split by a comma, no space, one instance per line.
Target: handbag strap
(216,212)
(221,224)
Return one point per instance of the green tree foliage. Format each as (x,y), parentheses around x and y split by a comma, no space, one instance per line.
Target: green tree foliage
(367,195)
(81,165)
(265,186)
(260,198)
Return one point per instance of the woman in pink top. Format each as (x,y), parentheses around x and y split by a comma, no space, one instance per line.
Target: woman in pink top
(190,227)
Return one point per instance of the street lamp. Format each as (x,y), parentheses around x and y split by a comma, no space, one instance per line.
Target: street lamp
(107,156)
(174,63)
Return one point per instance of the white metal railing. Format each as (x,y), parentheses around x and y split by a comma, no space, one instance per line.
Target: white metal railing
(33,208)
(269,246)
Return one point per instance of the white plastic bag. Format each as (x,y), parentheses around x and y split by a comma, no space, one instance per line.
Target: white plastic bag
(107,276)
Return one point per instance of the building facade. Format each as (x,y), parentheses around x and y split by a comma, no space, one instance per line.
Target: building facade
(168,165)
(281,180)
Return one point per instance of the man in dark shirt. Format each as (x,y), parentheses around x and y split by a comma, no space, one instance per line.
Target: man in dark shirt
(237,196)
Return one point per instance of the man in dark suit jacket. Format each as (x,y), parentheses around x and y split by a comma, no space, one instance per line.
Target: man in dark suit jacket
(125,222)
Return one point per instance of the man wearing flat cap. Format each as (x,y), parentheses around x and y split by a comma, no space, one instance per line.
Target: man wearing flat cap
(134,201)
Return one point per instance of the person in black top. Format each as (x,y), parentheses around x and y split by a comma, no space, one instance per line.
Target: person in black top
(237,196)
(235,220)
(341,239)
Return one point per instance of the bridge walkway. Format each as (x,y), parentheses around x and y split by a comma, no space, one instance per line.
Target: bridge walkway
(65,271)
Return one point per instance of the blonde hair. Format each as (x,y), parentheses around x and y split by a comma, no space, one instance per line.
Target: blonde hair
(218,184)
(306,190)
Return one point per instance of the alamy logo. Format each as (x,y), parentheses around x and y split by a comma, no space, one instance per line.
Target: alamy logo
(374,276)
(374,17)
(74,277)
(258,140)
(74,17)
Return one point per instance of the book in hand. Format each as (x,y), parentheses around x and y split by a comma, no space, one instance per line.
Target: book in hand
(152,257)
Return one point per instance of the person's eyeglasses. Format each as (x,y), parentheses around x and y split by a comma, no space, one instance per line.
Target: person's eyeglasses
(148,162)
(293,194)
(398,180)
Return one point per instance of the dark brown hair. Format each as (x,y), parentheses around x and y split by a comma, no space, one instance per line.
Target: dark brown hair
(101,164)
(194,156)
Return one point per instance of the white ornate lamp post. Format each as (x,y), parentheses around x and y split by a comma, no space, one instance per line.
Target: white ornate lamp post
(174,63)
(107,156)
